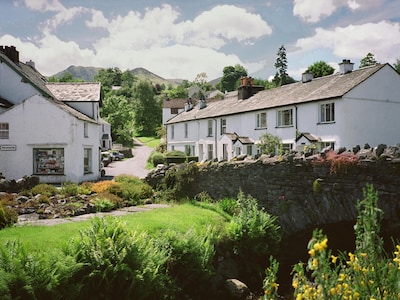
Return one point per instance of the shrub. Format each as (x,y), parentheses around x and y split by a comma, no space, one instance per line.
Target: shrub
(156,158)
(179,180)
(229,205)
(368,273)
(119,264)
(341,163)
(103,204)
(116,201)
(8,217)
(132,189)
(175,153)
(128,179)
(69,189)
(44,189)
(103,186)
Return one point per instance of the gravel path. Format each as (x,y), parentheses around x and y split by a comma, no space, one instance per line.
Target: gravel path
(33,219)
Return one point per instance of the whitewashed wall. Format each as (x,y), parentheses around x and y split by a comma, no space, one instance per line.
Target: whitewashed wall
(38,123)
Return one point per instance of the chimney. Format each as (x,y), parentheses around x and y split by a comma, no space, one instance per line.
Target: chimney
(306,76)
(31,64)
(345,66)
(11,52)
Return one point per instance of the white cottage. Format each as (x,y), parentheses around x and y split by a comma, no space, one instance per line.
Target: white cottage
(351,107)
(40,134)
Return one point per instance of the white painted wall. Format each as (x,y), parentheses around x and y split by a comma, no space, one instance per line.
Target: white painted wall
(89,108)
(166,114)
(12,87)
(38,123)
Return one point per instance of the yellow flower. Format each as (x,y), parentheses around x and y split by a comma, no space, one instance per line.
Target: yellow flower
(351,256)
(315,263)
(334,259)
(342,277)
(299,297)
(311,252)
(295,283)
(332,291)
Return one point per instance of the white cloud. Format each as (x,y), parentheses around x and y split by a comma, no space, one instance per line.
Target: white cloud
(355,41)
(312,11)
(42,5)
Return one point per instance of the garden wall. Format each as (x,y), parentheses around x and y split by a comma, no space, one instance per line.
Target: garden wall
(302,193)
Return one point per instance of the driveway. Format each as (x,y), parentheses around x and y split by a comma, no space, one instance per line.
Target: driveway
(133,166)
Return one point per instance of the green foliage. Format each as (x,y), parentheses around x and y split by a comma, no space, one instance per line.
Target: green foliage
(29,274)
(269,144)
(281,76)
(66,77)
(396,65)
(229,205)
(69,189)
(44,189)
(118,263)
(179,92)
(8,217)
(368,60)
(231,77)
(178,180)
(148,109)
(368,273)
(320,69)
(103,204)
(175,153)
(190,264)
(156,158)
(316,186)
(132,189)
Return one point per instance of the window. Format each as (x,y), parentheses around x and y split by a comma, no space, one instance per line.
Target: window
(286,148)
(327,113)
(4,130)
(223,126)
(187,150)
(285,117)
(249,150)
(87,160)
(210,128)
(48,161)
(174,111)
(328,144)
(210,151)
(172,131)
(261,121)
(224,151)
(85,130)
(186,130)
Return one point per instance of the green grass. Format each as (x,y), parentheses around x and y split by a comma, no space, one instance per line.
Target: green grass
(178,218)
(151,141)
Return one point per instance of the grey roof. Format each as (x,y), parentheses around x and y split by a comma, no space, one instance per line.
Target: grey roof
(308,136)
(75,91)
(327,87)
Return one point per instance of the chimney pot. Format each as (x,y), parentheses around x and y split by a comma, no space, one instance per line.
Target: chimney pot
(306,76)
(345,66)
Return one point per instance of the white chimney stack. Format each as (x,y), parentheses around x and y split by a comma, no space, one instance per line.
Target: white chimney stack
(345,66)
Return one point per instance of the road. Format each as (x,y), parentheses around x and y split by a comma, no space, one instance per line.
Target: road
(133,166)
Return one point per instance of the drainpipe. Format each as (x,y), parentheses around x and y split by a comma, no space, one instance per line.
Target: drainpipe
(215,138)
(296,127)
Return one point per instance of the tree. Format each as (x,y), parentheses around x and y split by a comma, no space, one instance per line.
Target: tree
(269,143)
(397,65)
(230,78)
(66,77)
(108,78)
(281,75)
(368,60)
(320,69)
(117,111)
(148,110)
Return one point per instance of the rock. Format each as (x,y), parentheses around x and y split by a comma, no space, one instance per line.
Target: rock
(237,289)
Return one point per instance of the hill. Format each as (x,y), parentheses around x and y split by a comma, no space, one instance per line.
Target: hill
(88,73)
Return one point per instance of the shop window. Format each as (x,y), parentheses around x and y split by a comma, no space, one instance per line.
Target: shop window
(4,130)
(48,161)
(87,160)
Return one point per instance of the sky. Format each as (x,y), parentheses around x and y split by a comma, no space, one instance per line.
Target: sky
(183,38)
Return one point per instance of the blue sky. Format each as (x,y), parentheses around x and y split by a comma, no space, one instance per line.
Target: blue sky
(181,38)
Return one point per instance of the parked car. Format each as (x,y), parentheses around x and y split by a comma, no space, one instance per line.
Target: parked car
(116,155)
(106,158)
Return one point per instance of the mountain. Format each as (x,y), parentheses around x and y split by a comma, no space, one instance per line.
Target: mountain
(84,73)
(88,73)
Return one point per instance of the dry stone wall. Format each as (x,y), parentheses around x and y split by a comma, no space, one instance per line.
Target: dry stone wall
(302,193)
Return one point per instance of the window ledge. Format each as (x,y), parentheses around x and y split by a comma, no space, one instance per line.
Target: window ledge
(260,128)
(325,123)
(284,126)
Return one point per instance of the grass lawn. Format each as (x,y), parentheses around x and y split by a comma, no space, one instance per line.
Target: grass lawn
(151,142)
(178,218)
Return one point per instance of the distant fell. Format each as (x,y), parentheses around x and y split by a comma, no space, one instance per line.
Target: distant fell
(88,73)
(84,73)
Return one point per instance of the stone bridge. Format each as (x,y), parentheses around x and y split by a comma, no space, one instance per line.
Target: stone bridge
(302,193)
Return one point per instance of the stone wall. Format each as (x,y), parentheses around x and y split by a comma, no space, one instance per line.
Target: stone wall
(303,193)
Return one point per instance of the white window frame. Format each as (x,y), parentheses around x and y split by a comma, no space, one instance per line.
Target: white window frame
(87,160)
(261,120)
(326,113)
(4,130)
(172,131)
(210,128)
(85,130)
(223,126)
(210,151)
(284,117)
(186,126)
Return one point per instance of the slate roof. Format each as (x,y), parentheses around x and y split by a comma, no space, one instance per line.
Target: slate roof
(174,103)
(327,87)
(75,91)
